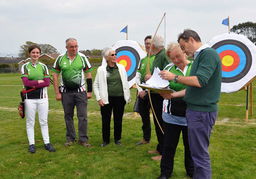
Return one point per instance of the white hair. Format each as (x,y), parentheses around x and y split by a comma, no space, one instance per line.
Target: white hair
(106,51)
(70,39)
(172,46)
(158,41)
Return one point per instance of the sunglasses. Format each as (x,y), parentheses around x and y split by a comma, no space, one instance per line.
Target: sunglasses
(113,54)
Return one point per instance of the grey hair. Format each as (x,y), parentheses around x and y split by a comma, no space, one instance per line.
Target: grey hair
(158,41)
(70,39)
(172,46)
(106,51)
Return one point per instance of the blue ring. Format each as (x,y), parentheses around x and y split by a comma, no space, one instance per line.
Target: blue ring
(241,55)
(132,58)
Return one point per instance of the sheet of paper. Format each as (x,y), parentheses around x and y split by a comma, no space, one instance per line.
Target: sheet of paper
(156,81)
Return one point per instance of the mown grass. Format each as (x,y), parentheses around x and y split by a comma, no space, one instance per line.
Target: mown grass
(232,149)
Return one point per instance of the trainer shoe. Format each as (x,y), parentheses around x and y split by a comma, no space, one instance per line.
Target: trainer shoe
(143,141)
(32,148)
(49,147)
(69,143)
(85,144)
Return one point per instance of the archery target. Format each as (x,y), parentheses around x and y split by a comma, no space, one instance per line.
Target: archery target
(129,54)
(237,54)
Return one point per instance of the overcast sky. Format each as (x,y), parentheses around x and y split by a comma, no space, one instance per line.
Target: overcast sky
(97,24)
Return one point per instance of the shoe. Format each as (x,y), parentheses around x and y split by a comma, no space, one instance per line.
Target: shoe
(85,144)
(104,144)
(190,175)
(118,142)
(157,158)
(162,177)
(143,141)
(49,147)
(69,143)
(32,148)
(153,152)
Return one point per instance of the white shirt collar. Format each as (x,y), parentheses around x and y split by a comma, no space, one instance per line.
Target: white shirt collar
(200,49)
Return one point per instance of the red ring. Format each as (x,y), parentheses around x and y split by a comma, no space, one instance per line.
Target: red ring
(127,59)
(235,63)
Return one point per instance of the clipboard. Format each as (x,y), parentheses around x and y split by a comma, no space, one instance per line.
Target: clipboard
(158,90)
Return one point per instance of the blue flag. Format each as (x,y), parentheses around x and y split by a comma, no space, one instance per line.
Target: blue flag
(225,21)
(124,29)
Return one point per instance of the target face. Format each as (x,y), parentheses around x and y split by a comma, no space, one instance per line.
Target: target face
(236,59)
(129,54)
(129,58)
(237,54)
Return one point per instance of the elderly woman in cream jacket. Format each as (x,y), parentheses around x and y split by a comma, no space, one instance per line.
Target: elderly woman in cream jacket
(112,92)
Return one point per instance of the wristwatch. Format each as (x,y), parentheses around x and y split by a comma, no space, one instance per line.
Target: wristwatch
(176,79)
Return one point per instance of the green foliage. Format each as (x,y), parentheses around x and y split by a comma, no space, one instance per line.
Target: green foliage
(247,28)
(232,145)
(45,48)
(10,67)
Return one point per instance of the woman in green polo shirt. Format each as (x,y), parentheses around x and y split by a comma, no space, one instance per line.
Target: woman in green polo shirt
(35,77)
(173,114)
(112,92)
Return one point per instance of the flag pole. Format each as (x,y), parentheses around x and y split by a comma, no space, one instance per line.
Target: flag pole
(228,25)
(127,33)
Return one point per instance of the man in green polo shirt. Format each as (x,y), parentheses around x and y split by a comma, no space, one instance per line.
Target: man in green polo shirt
(71,91)
(201,95)
(143,100)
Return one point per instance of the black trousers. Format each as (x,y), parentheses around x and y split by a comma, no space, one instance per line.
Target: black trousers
(171,140)
(144,111)
(157,101)
(116,104)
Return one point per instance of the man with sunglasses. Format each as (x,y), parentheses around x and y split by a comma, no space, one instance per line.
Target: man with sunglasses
(72,91)
(201,95)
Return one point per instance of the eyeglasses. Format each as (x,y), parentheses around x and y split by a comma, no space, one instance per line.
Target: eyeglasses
(113,54)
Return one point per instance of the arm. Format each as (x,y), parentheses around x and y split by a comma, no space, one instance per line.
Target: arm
(36,83)
(89,84)
(96,89)
(141,92)
(56,86)
(186,80)
(29,83)
(177,94)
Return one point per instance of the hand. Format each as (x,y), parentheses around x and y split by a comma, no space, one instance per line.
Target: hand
(58,96)
(166,95)
(101,103)
(166,75)
(147,77)
(89,95)
(40,81)
(142,94)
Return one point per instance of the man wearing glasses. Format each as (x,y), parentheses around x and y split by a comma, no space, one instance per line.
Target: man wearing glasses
(72,91)
(201,95)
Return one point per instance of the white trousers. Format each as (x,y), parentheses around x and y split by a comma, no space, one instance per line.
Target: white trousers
(31,107)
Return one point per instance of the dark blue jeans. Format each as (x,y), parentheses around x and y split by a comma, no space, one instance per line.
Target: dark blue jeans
(199,130)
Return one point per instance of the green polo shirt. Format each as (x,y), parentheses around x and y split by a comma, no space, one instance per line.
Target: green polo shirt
(39,71)
(143,67)
(72,71)
(160,61)
(207,68)
(175,70)
(115,87)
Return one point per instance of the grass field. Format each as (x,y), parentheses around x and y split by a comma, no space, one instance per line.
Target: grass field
(232,149)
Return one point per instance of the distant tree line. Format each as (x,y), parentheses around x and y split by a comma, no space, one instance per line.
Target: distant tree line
(247,28)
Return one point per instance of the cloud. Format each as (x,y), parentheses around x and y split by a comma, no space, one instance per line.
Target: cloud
(97,24)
